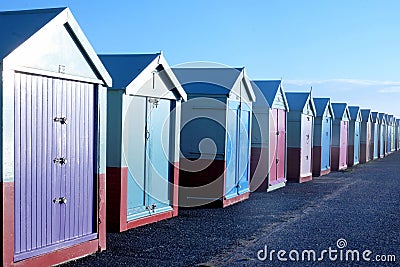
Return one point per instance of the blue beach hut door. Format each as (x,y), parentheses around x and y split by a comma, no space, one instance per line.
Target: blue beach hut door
(54,164)
(238,149)
(326,143)
(146,150)
(357,129)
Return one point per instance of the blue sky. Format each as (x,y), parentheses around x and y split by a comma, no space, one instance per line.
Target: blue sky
(347,50)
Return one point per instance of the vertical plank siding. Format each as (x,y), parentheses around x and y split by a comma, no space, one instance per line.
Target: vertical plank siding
(40,224)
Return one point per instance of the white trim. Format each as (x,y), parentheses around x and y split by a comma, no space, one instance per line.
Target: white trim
(54,74)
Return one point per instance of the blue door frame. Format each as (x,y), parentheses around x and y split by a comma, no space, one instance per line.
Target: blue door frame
(237,149)
(146,149)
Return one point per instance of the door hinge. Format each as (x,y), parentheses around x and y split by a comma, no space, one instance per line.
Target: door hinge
(151,208)
(61,161)
(62,120)
(60,200)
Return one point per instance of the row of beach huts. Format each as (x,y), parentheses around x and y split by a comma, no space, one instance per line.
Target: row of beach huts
(95,143)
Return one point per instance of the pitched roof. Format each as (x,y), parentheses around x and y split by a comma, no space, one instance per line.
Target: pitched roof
(321,104)
(297,100)
(365,113)
(339,109)
(269,89)
(219,81)
(24,24)
(125,68)
(375,117)
(389,118)
(382,116)
(21,25)
(354,110)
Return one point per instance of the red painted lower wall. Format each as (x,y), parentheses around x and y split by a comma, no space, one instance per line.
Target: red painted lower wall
(7,221)
(234,200)
(259,169)
(102,211)
(350,155)
(201,182)
(335,154)
(364,157)
(317,154)
(293,166)
(117,200)
(335,159)
(58,256)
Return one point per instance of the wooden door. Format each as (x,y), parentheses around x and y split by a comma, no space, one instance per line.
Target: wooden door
(54,163)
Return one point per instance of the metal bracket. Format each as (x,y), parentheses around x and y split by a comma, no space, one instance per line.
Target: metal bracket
(151,208)
(61,161)
(60,200)
(62,120)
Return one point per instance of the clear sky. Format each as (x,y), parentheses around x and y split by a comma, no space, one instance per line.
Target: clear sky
(347,50)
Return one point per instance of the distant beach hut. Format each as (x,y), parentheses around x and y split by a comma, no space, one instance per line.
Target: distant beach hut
(322,137)
(340,130)
(389,125)
(382,135)
(366,136)
(353,153)
(215,136)
(300,124)
(398,134)
(375,135)
(268,136)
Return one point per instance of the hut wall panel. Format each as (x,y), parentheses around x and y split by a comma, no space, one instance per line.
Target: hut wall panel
(114,128)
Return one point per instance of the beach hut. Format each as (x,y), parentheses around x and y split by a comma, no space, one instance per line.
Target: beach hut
(321,155)
(389,125)
(398,134)
(382,135)
(300,123)
(215,136)
(353,152)
(143,124)
(375,135)
(53,102)
(392,120)
(340,131)
(366,136)
(268,136)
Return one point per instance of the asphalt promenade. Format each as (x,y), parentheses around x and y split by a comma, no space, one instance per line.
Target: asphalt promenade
(339,217)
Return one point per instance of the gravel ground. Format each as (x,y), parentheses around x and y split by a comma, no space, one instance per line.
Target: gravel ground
(360,205)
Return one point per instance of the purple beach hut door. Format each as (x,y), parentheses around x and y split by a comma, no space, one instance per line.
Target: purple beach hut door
(54,164)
